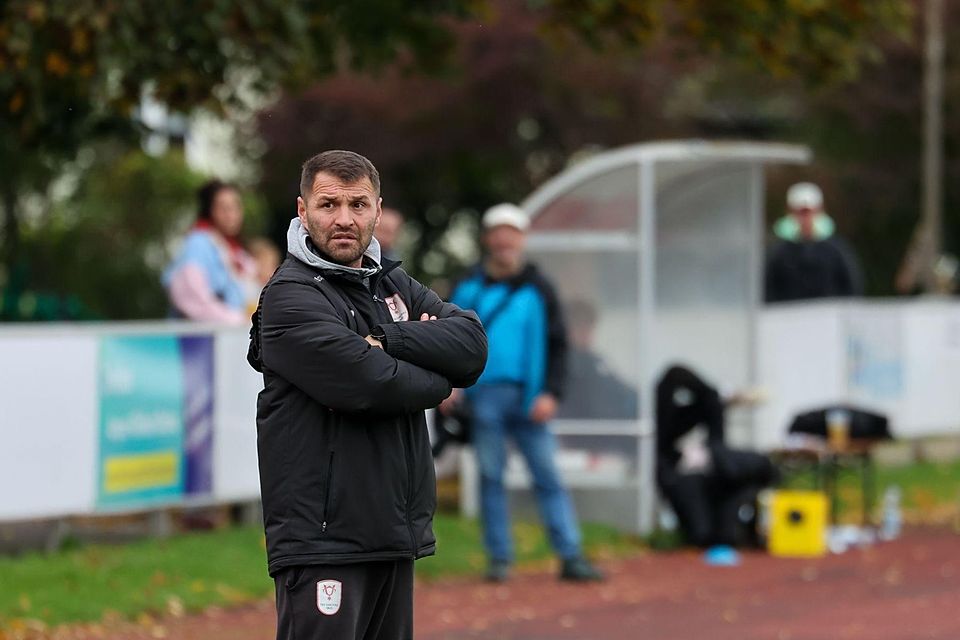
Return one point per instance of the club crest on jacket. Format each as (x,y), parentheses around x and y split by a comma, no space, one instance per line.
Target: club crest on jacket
(398,310)
(328,596)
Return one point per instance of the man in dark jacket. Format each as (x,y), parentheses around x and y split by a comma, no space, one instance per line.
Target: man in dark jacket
(352,351)
(809,260)
(594,391)
(518,393)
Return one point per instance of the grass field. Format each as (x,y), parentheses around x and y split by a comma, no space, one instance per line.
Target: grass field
(190,572)
(930,491)
(193,571)
(181,573)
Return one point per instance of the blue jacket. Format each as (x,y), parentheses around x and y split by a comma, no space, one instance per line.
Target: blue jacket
(527,341)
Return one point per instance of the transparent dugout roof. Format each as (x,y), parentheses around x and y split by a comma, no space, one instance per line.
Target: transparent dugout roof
(656,252)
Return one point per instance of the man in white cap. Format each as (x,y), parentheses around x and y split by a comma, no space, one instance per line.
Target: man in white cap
(518,393)
(809,260)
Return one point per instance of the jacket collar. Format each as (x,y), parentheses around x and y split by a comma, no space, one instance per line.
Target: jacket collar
(301,247)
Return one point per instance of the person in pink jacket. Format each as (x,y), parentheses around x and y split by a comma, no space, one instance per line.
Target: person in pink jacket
(213,278)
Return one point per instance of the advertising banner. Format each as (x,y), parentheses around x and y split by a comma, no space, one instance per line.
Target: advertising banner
(156,414)
(875,359)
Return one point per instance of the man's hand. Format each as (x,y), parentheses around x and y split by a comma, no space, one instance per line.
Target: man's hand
(376,343)
(447,406)
(544,408)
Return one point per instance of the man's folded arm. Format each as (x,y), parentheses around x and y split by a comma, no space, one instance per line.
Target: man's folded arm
(307,344)
(454,345)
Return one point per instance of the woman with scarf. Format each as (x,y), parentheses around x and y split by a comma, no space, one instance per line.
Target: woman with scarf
(213,278)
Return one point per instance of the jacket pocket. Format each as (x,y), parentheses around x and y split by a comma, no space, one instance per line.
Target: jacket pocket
(325,513)
(294,577)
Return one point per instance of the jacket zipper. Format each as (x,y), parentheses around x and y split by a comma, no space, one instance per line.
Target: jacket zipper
(408,455)
(326,494)
(413,540)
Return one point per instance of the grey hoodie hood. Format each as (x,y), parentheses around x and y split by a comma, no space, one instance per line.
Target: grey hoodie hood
(297,237)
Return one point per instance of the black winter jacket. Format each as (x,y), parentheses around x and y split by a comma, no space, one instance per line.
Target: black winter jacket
(809,269)
(346,473)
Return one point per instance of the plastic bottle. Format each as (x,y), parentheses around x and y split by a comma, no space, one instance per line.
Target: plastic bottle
(764,500)
(666,518)
(892,519)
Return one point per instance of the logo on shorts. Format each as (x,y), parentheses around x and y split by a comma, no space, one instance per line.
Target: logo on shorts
(328,596)
(397,308)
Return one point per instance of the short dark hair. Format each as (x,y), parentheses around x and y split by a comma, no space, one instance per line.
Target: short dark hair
(348,166)
(207,193)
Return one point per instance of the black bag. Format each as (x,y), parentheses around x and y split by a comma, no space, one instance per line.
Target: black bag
(863,423)
(457,425)
(735,469)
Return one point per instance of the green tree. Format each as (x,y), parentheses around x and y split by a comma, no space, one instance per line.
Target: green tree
(73,70)
(522,105)
(820,41)
(106,245)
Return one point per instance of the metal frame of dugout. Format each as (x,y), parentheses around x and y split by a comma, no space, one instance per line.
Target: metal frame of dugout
(656,252)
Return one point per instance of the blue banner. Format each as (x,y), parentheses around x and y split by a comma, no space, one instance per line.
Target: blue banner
(196,353)
(156,419)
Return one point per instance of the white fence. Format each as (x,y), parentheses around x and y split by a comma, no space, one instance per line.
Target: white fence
(91,421)
(898,358)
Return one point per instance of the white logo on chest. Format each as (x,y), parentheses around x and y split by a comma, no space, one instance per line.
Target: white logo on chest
(328,596)
(398,310)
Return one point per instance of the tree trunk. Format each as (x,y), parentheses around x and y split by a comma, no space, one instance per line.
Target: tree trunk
(11,229)
(932,197)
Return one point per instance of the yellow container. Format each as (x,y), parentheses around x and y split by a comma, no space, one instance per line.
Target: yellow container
(798,524)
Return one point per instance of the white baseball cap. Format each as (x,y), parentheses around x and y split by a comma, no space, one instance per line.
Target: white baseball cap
(805,195)
(508,214)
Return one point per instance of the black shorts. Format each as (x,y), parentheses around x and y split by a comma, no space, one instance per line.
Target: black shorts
(366,600)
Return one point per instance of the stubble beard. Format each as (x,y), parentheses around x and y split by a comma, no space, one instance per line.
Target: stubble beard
(347,255)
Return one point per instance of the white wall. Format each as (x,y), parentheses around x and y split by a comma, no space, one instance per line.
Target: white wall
(48,423)
(898,358)
(49,415)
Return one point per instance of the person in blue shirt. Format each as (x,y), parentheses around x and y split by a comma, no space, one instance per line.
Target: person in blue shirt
(519,391)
